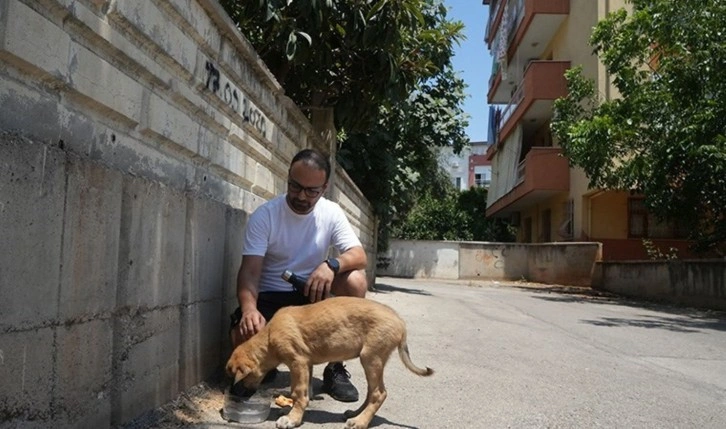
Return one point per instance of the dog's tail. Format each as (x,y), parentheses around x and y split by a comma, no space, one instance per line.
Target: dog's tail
(406,359)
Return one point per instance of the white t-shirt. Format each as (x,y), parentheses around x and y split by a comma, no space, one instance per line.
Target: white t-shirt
(295,242)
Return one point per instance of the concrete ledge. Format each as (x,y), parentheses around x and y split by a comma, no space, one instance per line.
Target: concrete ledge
(698,283)
(554,263)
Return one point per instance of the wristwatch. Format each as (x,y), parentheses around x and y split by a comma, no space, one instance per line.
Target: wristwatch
(333,264)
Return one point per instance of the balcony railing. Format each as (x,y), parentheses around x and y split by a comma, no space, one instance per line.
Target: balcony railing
(494,9)
(543,173)
(513,104)
(523,29)
(504,21)
(544,81)
(521,170)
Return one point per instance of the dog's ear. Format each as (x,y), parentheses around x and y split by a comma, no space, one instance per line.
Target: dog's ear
(237,369)
(241,373)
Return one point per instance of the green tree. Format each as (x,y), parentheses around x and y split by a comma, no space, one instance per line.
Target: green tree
(397,160)
(380,72)
(665,135)
(473,202)
(453,216)
(345,56)
(436,218)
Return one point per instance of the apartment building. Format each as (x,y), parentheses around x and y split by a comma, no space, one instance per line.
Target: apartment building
(480,166)
(533,42)
(470,168)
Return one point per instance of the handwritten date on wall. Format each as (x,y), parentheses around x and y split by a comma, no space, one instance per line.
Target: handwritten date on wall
(234,99)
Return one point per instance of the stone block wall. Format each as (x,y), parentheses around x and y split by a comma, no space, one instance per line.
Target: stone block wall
(136,137)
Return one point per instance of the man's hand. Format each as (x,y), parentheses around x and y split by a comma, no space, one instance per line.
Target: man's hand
(252,322)
(319,283)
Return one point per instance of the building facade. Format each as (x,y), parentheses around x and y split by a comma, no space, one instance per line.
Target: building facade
(533,43)
(480,167)
(470,168)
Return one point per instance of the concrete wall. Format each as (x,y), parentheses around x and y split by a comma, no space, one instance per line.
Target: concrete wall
(422,259)
(135,138)
(699,283)
(560,263)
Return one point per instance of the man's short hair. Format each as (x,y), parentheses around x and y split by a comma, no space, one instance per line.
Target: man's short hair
(313,158)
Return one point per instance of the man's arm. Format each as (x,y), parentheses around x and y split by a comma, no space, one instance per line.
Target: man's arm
(248,281)
(352,255)
(321,280)
(354,258)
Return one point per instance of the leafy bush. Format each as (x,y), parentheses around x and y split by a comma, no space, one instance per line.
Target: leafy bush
(455,217)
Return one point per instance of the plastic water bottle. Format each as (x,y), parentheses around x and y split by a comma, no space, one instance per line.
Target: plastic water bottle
(297,282)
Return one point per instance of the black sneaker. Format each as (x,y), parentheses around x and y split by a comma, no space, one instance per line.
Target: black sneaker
(336,383)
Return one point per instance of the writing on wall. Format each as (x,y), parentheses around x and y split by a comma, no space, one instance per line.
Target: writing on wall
(219,84)
(491,257)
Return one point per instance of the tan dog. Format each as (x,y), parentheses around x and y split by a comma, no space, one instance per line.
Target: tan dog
(333,330)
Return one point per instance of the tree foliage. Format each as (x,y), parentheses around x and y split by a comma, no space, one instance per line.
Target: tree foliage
(396,161)
(435,218)
(351,56)
(665,136)
(456,216)
(473,202)
(384,68)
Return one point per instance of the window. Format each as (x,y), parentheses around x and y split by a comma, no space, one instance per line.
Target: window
(527,230)
(458,183)
(642,224)
(566,229)
(546,219)
(482,179)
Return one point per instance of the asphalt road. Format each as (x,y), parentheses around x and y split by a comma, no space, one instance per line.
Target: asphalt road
(508,356)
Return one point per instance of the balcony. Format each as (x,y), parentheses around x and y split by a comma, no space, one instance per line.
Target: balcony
(531,25)
(543,174)
(531,104)
(496,13)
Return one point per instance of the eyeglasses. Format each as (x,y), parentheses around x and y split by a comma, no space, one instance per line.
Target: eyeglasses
(310,192)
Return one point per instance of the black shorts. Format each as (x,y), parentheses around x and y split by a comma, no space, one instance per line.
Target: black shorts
(268,303)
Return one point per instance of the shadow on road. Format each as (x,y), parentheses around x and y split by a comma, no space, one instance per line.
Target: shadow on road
(322,417)
(675,324)
(570,293)
(678,319)
(384,288)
